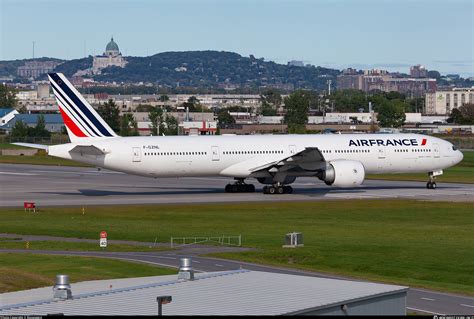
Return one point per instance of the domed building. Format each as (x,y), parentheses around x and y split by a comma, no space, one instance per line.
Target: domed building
(111,57)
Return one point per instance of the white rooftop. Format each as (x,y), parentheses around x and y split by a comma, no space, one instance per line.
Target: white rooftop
(240,292)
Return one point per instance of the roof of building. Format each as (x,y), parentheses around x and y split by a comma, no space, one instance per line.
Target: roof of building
(239,292)
(112,46)
(33,118)
(4,112)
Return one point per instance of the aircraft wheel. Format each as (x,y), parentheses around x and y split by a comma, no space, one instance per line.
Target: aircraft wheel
(271,190)
(280,190)
(433,185)
(250,188)
(288,189)
(228,188)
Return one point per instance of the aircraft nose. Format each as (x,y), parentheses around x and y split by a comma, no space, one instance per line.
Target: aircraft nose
(460,157)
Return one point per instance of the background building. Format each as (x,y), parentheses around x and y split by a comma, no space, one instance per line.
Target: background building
(34,69)
(381,80)
(111,57)
(443,102)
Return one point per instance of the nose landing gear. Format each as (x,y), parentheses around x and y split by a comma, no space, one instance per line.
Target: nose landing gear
(431,183)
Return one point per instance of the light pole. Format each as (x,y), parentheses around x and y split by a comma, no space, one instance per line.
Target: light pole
(162,300)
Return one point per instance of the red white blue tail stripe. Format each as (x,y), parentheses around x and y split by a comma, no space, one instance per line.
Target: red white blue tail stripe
(79,116)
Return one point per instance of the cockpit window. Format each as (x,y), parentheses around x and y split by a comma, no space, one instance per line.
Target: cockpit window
(455,148)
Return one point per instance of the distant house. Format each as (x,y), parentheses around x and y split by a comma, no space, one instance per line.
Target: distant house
(6,115)
(53,122)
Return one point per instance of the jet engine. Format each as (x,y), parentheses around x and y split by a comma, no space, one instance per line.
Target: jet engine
(343,173)
(270,181)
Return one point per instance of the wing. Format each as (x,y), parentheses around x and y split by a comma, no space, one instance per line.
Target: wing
(308,160)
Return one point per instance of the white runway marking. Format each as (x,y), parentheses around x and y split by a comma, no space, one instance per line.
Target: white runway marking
(464,305)
(11,173)
(429,299)
(426,311)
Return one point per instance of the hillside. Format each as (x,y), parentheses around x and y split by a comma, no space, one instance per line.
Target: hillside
(199,69)
(214,68)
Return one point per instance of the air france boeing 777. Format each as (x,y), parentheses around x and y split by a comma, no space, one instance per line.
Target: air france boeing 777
(340,160)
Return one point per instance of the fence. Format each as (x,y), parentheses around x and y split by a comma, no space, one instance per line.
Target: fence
(220,240)
(52,140)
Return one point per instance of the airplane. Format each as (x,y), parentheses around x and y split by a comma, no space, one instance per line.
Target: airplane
(340,160)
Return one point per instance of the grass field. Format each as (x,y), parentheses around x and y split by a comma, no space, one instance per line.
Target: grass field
(72,246)
(11,146)
(27,271)
(425,244)
(39,160)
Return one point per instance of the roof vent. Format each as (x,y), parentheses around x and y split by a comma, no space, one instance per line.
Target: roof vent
(62,288)
(186,271)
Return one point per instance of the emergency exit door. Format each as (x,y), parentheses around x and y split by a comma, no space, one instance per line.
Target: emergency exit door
(137,154)
(215,153)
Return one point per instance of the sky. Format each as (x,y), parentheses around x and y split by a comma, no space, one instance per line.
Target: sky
(384,34)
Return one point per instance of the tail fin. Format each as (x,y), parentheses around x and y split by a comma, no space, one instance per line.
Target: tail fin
(81,120)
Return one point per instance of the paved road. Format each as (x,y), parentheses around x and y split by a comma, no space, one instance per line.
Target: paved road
(419,300)
(59,186)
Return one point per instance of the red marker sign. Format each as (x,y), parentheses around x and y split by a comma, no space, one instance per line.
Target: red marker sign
(103,234)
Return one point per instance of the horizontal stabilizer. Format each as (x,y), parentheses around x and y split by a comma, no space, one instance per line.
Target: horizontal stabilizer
(39,146)
(88,150)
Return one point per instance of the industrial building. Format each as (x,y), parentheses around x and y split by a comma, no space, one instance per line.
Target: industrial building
(238,292)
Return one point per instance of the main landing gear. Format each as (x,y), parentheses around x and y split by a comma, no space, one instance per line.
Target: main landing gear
(431,183)
(239,187)
(277,189)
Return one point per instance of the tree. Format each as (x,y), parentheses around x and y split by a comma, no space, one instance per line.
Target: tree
(194,105)
(143,108)
(462,115)
(128,125)
(40,129)
(7,97)
(156,118)
(271,101)
(164,98)
(111,114)
(171,125)
(391,113)
(467,112)
(224,119)
(348,100)
(19,130)
(297,105)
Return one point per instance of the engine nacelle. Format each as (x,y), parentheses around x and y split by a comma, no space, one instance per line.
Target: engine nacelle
(344,173)
(271,181)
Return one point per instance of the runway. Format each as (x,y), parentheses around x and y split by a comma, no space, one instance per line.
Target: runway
(70,186)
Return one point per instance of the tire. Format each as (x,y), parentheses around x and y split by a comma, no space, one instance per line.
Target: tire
(234,188)
(428,185)
(265,189)
(288,189)
(280,190)
(271,190)
(228,188)
(433,186)
(250,188)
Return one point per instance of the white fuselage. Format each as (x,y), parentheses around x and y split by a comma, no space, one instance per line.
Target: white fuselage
(161,156)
